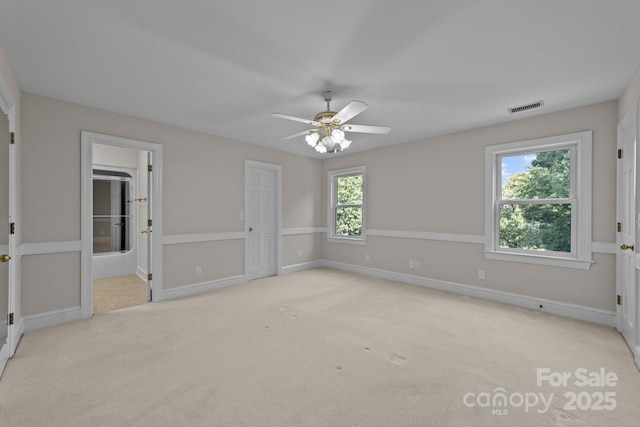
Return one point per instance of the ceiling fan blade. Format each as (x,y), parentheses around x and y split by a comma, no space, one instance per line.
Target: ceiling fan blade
(295,135)
(366,129)
(350,111)
(297,119)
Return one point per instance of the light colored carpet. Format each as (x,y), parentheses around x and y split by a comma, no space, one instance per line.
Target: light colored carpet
(118,292)
(318,348)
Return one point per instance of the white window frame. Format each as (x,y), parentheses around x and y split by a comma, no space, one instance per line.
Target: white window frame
(332,193)
(580,144)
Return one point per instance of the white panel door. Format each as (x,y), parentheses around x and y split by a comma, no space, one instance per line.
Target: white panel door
(261,222)
(5,252)
(625,258)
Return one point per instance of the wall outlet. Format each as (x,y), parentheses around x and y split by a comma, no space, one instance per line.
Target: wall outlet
(481,274)
(367,257)
(416,264)
(411,263)
(299,254)
(198,271)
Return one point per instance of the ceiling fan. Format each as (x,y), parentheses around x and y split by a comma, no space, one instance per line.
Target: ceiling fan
(328,134)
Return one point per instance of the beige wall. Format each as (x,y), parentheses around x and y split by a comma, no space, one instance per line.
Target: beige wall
(434,185)
(437,185)
(203,192)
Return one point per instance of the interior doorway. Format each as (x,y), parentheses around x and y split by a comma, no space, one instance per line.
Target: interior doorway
(122,226)
(119,217)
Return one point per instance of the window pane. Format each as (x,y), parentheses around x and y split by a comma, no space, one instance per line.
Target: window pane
(542,175)
(536,227)
(350,190)
(348,221)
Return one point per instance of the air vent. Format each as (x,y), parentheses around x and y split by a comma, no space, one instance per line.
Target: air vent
(526,107)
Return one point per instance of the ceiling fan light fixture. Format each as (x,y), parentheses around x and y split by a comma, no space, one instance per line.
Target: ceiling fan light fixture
(337,136)
(329,133)
(312,139)
(327,141)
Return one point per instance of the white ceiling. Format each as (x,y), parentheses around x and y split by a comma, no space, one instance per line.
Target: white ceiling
(425,67)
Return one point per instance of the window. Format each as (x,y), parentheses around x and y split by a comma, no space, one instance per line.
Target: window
(112,211)
(346,215)
(538,201)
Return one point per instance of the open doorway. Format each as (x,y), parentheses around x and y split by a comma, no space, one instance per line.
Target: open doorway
(119,217)
(121,236)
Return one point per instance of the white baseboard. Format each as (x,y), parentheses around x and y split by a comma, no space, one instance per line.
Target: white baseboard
(18,331)
(574,311)
(197,288)
(142,273)
(301,267)
(52,318)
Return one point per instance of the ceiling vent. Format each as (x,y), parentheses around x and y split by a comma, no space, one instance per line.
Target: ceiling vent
(526,107)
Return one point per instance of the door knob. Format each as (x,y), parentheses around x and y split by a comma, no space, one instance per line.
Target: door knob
(4,258)
(250,229)
(625,247)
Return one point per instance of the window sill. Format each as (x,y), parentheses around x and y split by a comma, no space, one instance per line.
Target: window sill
(348,240)
(580,264)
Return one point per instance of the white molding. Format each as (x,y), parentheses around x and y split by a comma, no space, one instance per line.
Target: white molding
(604,248)
(294,268)
(426,235)
(18,331)
(198,288)
(40,248)
(174,239)
(589,314)
(52,318)
(303,230)
(141,273)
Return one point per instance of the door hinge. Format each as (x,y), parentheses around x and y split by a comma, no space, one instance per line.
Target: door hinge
(10,320)
(619,153)
(12,137)
(149,222)
(149,276)
(150,168)
(619,299)
(619,227)
(12,228)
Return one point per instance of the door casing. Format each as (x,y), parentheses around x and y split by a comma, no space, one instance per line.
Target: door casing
(155,258)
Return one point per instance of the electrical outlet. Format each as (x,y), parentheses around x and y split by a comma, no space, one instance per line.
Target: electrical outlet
(481,274)
(416,264)
(198,271)
(411,263)
(367,257)
(299,254)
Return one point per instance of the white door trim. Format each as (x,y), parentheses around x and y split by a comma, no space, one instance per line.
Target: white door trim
(14,331)
(278,216)
(88,139)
